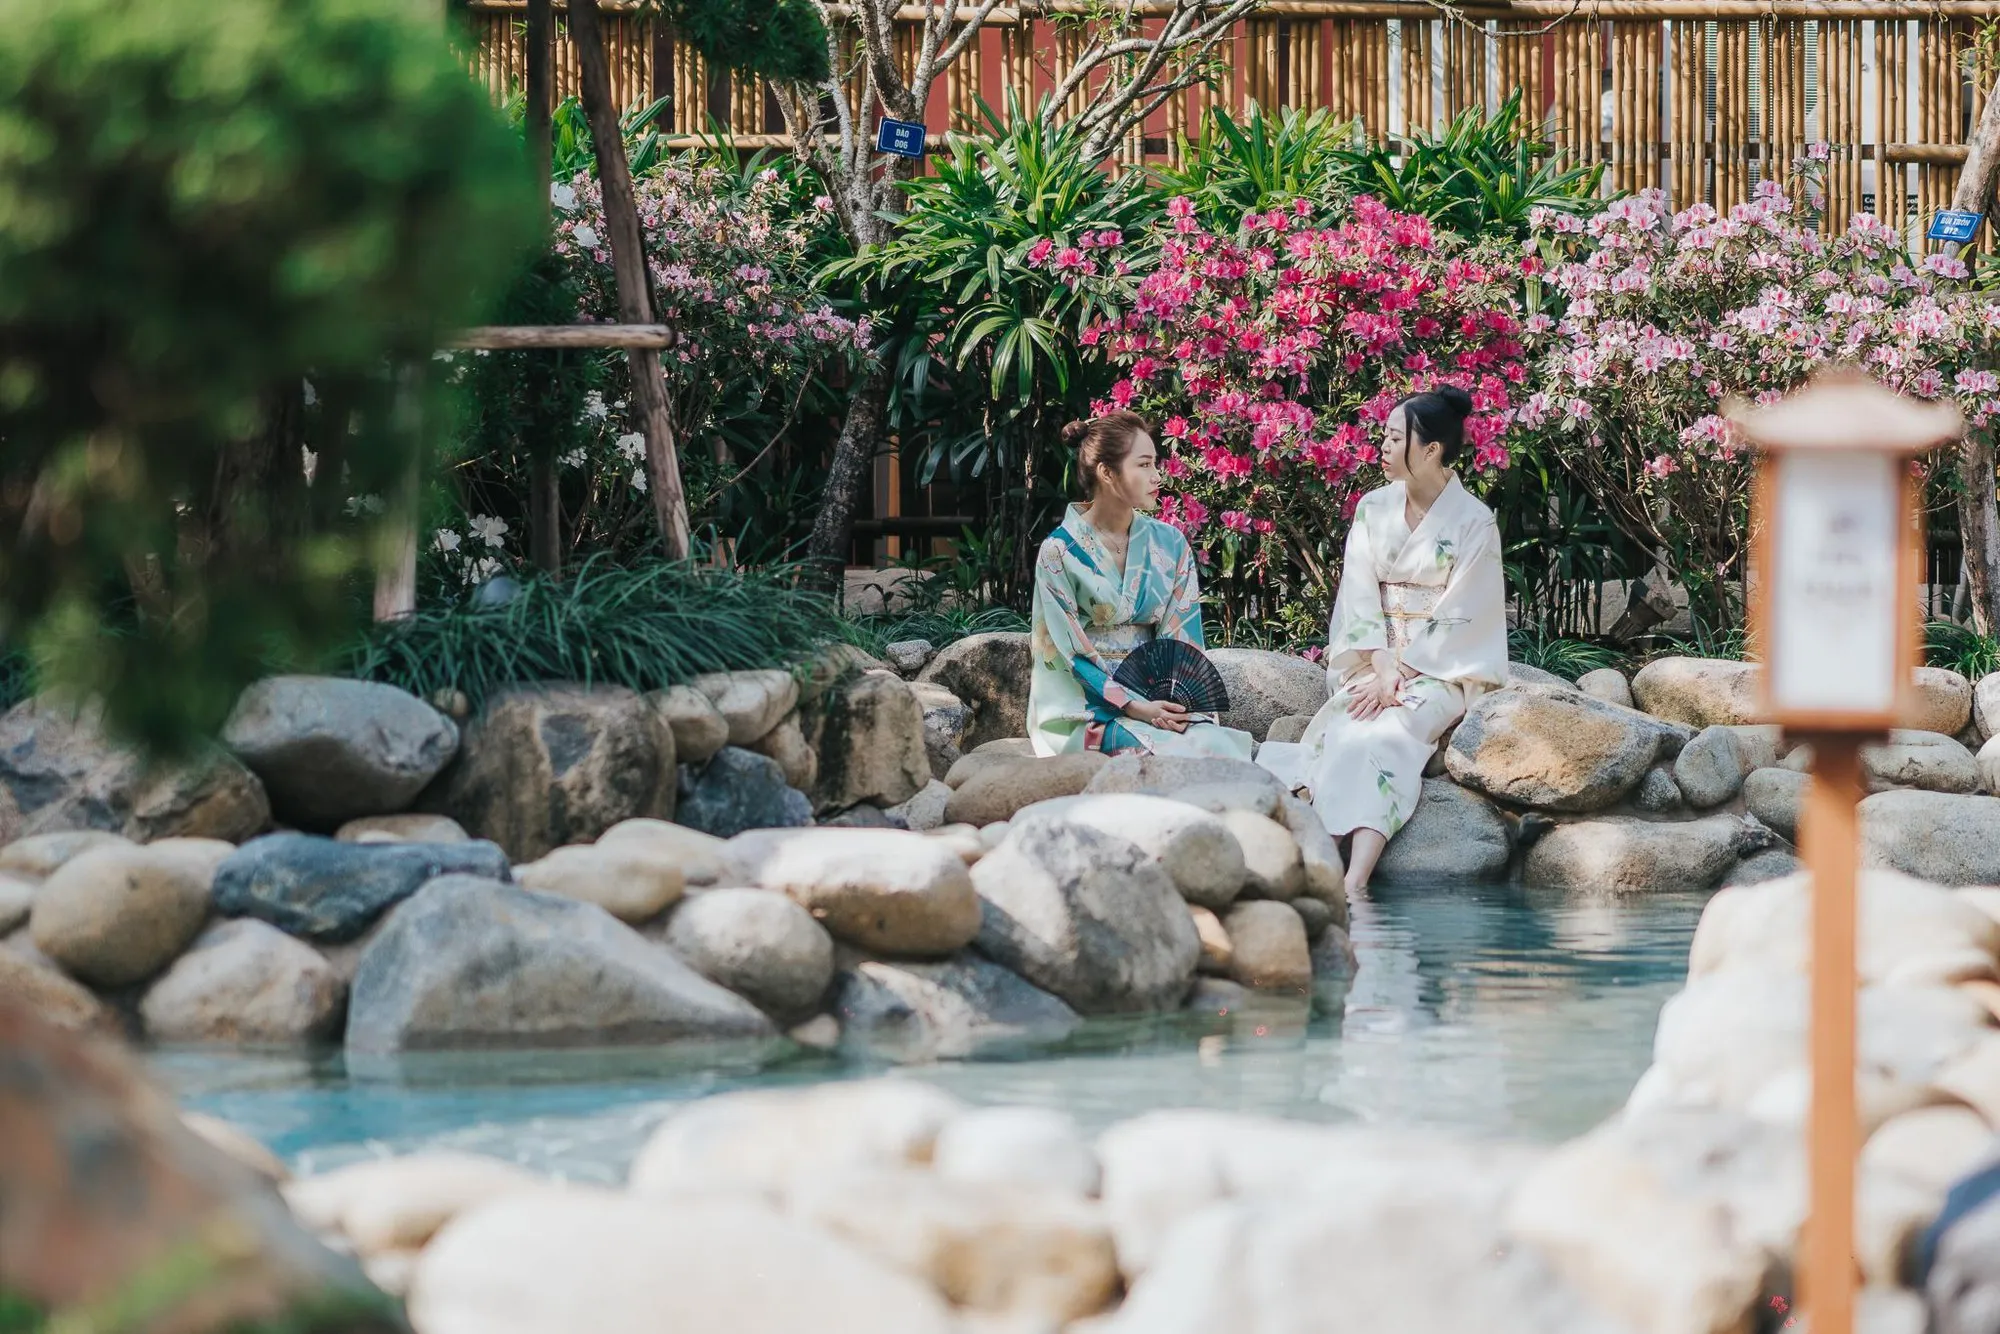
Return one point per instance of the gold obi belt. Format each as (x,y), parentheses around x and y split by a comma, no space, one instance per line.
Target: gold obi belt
(1115,642)
(1406,608)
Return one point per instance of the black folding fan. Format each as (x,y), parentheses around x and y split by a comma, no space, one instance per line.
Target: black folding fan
(1172,669)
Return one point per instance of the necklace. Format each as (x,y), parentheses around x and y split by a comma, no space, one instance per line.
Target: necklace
(1116,546)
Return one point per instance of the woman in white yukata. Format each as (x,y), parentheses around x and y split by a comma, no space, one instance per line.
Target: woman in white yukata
(1107,581)
(1419,630)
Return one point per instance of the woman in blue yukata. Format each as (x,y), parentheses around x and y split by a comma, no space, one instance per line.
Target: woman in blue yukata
(1110,579)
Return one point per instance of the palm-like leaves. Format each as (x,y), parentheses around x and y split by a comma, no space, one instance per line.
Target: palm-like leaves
(1260,163)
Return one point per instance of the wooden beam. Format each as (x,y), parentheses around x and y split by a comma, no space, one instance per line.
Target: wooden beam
(518,337)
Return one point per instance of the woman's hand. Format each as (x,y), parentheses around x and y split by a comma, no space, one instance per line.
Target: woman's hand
(1163,714)
(1373,695)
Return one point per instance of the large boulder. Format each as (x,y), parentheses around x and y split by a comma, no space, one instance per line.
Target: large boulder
(1233,784)
(990,674)
(324,890)
(611,1264)
(1700,692)
(1453,837)
(1935,836)
(117,915)
(627,877)
(245,982)
(37,986)
(1928,761)
(739,790)
(868,732)
(382,1205)
(477,963)
(1943,702)
(58,772)
(698,726)
(1018,1146)
(1608,684)
(701,859)
(1627,855)
(413,828)
(889,890)
(751,703)
(1774,796)
(963,1006)
(1196,847)
(1268,950)
(1006,783)
(330,750)
(37,857)
(1986,707)
(946,717)
(757,943)
(539,768)
(1086,916)
(786,743)
(1557,750)
(1710,769)
(1266,686)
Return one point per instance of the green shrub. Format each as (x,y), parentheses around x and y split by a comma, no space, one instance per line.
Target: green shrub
(1233,168)
(1567,658)
(1961,649)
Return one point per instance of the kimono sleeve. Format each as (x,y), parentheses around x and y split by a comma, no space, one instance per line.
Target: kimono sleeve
(1059,639)
(1357,629)
(1465,639)
(1181,617)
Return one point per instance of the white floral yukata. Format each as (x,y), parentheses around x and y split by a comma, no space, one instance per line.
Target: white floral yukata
(1087,619)
(1436,599)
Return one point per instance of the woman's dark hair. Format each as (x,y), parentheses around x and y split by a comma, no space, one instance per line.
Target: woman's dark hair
(1105,440)
(1438,418)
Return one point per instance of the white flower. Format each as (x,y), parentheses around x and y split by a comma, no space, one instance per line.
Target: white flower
(562,196)
(488,529)
(593,406)
(587,238)
(479,571)
(360,505)
(309,461)
(573,459)
(632,445)
(639,479)
(445,357)
(446,540)
(312,394)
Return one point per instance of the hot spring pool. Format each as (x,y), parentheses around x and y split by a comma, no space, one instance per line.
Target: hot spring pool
(1483,1009)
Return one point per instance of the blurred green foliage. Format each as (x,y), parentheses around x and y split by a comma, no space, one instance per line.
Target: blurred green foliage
(229,229)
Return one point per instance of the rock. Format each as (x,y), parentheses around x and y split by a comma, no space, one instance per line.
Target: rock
(1668,1220)
(1016,1146)
(1924,760)
(1332,954)
(1024,1250)
(39,856)
(786,743)
(17,897)
(961,1007)
(623,877)
(615,1265)
(1191,777)
(403,829)
(1326,877)
(1454,836)
(1003,786)
(880,889)
(476,963)
(401,1203)
(758,944)
(869,735)
(1774,796)
(238,1145)
(1986,707)
(1291,728)
(330,750)
(1521,674)
(245,982)
(322,890)
(1929,1146)
(1988,761)
(909,656)
(1085,916)
(766,1140)
(702,859)
(699,728)
(751,703)
(1608,684)
(1268,947)
(1271,856)
(737,791)
(990,672)
(1700,692)
(119,914)
(968,767)
(1556,750)
(107,1189)
(58,772)
(1935,836)
(1266,686)
(945,720)
(1217,953)
(1658,793)
(1943,704)
(540,768)
(1960,1285)
(924,812)
(1197,849)
(1765,866)
(819,1033)
(1315,913)
(1626,855)
(1710,769)
(43,991)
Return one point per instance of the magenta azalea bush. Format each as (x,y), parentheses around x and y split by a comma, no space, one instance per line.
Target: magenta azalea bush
(1269,360)
(1646,322)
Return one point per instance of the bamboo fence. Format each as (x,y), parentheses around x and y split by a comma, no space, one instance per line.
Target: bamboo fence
(1701,98)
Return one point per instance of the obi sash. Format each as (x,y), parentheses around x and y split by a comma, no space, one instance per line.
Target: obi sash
(1406,608)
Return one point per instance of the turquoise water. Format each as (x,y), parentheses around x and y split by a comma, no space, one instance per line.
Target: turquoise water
(1481,1009)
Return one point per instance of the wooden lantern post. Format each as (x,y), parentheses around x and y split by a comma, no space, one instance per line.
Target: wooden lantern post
(1834,611)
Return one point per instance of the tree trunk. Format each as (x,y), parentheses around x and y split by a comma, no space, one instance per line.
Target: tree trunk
(1978,513)
(541,90)
(628,266)
(545,517)
(833,527)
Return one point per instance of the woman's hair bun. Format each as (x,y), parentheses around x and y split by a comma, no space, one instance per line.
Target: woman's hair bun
(1456,399)
(1073,432)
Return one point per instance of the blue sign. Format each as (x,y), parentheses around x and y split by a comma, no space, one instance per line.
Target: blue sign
(1950,224)
(904,138)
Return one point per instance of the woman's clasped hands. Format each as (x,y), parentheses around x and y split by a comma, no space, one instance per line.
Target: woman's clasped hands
(1377,690)
(1163,714)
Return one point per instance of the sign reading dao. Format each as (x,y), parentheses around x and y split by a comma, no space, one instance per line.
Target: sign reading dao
(904,138)
(1955,225)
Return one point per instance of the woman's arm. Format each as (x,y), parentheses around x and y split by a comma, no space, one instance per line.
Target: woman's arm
(1181,618)
(1357,631)
(1061,622)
